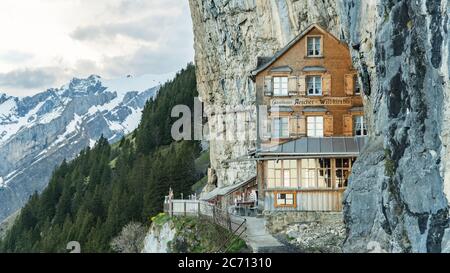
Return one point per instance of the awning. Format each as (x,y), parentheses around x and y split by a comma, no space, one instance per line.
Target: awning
(222,191)
(357,109)
(314,69)
(280,109)
(327,146)
(311,109)
(284,68)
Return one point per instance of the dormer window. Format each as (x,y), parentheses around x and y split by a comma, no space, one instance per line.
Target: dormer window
(314,46)
(314,85)
(280,86)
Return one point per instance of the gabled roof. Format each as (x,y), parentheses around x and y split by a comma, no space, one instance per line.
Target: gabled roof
(264,62)
(327,146)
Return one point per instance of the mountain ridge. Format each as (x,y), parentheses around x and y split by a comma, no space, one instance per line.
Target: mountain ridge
(38,132)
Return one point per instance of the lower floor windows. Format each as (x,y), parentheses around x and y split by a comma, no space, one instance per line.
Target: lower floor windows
(285,199)
(318,173)
(343,170)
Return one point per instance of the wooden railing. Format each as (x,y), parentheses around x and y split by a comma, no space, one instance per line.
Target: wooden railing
(236,225)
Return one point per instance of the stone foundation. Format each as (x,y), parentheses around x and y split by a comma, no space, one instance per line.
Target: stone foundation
(278,221)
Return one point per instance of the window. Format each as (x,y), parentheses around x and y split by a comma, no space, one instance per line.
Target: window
(356,85)
(274,174)
(314,126)
(290,173)
(359,126)
(282,174)
(316,173)
(309,173)
(280,86)
(280,128)
(343,170)
(285,199)
(324,175)
(314,46)
(314,85)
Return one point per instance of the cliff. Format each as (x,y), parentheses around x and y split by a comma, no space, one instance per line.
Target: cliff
(229,36)
(396,200)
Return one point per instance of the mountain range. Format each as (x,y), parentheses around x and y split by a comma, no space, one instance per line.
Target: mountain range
(38,132)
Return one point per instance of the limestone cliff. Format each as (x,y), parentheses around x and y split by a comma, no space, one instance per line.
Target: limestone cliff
(397,195)
(397,192)
(229,36)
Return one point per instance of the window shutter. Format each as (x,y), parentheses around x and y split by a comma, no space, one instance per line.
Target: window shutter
(268,86)
(328,123)
(349,85)
(348,125)
(293,126)
(292,86)
(268,133)
(301,126)
(326,84)
(302,85)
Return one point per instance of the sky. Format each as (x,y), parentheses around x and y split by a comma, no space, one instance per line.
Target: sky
(45,43)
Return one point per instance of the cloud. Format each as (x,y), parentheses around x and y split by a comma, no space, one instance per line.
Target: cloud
(29,78)
(143,29)
(147,60)
(53,41)
(14,56)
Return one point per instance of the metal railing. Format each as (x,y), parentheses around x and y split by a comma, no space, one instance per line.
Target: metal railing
(236,225)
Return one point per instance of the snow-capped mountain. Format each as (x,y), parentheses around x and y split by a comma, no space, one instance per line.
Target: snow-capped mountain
(39,132)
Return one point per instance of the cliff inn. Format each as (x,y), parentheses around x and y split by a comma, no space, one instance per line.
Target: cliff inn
(312,134)
(315,128)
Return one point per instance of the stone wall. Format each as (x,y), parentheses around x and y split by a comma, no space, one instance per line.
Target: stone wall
(278,221)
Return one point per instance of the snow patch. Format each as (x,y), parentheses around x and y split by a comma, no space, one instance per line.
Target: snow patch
(140,84)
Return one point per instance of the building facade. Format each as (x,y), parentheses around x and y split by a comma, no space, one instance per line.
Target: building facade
(314,128)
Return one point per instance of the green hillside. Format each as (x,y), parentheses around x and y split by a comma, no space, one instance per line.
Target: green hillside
(91,198)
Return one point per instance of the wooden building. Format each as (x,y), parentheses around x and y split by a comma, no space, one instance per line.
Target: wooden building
(315,124)
(237,196)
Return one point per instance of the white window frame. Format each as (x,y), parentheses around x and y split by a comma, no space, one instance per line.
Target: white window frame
(361,121)
(285,202)
(315,126)
(316,85)
(314,45)
(280,86)
(280,126)
(311,174)
(282,174)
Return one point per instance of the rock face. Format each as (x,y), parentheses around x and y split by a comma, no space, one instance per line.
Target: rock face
(229,36)
(39,132)
(396,196)
(396,199)
(158,239)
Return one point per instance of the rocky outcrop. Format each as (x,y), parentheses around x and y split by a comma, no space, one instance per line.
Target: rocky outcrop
(158,238)
(397,194)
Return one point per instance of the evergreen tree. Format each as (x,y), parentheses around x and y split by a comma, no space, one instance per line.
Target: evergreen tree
(92,198)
